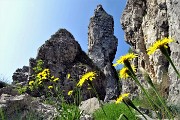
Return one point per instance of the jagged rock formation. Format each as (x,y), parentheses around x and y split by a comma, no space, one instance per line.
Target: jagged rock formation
(2,84)
(102,46)
(145,21)
(63,55)
(20,75)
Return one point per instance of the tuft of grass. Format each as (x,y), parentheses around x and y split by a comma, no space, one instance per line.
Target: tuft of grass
(2,117)
(114,111)
(175,109)
(144,103)
(69,112)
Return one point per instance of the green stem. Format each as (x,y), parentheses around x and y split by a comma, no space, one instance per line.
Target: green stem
(164,51)
(128,103)
(133,76)
(123,115)
(97,97)
(142,88)
(155,90)
(169,114)
(147,96)
(130,109)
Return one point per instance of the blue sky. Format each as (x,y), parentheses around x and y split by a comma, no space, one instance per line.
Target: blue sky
(26,24)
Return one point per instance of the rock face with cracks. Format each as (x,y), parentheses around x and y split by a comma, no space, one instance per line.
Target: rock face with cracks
(21,107)
(102,46)
(144,22)
(20,75)
(62,54)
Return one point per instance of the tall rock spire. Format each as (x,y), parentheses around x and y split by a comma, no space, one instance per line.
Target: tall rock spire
(102,47)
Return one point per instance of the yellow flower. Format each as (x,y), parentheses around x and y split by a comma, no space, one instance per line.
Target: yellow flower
(89,88)
(46,72)
(124,72)
(52,77)
(121,97)
(125,58)
(31,83)
(68,76)
(40,75)
(39,82)
(44,77)
(88,76)
(50,87)
(56,79)
(158,45)
(70,92)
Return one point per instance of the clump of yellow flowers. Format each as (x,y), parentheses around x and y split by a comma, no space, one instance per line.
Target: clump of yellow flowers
(41,77)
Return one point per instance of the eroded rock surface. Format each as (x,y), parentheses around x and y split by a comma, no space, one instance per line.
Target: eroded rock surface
(102,46)
(62,54)
(89,106)
(144,22)
(20,75)
(21,107)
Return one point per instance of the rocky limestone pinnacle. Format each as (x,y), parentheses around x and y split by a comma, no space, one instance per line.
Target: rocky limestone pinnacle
(102,46)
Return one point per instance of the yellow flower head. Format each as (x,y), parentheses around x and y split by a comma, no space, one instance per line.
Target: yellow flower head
(56,79)
(70,92)
(50,87)
(159,44)
(40,75)
(68,76)
(121,97)
(87,76)
(89,88)
(31,83)
(124,72)
(52,77)
(125,58)
(46,71)
(44,77)
(39,82)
